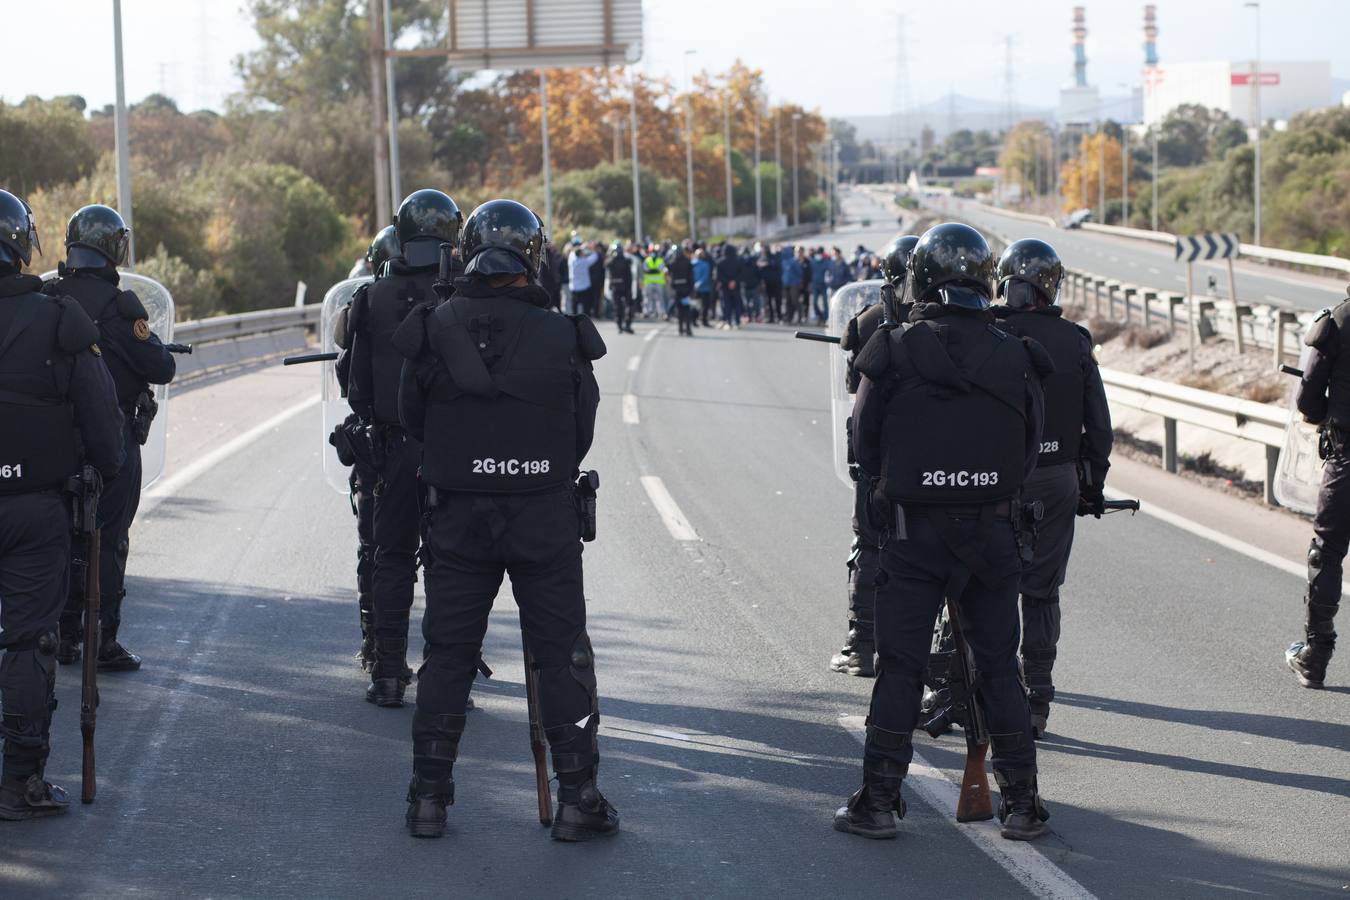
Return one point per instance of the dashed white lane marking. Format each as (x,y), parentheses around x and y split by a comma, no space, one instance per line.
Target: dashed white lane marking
(1154,271)
(651,335)
(1273,299)
(668,509)
(167,487)
(1149,508)
(1021,860)
(630,410)
(634,362)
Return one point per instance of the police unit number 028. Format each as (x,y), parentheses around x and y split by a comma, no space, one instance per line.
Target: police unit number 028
(510,467)
(1050,447)
(11,471)
(959,479)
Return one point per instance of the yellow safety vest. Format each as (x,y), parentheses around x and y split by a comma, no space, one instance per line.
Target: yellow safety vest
(651,271)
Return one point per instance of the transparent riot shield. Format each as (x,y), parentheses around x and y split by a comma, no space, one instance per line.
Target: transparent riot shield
(1299,472)
(158,303)
(335,408)
(846,303)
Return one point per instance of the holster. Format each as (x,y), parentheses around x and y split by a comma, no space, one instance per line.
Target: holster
(1330,441)
(143,413)
(1026,526)
(584,490)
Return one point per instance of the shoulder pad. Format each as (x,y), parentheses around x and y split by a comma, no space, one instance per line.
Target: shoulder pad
(1323,332)
(1040,357)
(356,317)
(1340,314)
(1326,311)
(129,306)
(589,341)
(411,335)
(1087,335)
(851,339)
(75,331)
(874,359)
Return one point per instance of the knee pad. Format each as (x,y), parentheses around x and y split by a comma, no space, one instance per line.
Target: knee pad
(1003,744)
(582,663)
(887,740)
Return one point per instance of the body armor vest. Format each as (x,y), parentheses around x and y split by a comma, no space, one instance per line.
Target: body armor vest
(955,426)
(98,298)
(505,420)
(389,302)
(1064,388)
(1338,390)
(38,438)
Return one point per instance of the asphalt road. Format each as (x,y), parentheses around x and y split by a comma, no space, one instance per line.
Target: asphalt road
(243,760)
(1154,265)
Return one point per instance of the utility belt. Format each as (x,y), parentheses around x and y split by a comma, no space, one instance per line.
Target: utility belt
(583,490)
(1024,516)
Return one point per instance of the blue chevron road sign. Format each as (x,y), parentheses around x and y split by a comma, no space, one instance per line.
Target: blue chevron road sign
(1207,246)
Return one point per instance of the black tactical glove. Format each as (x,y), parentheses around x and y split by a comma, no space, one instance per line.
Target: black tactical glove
(1091,501)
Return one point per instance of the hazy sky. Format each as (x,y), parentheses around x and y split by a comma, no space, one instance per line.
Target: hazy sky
(839,55)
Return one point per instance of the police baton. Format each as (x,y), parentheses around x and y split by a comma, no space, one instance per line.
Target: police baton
(1290,370)
(179,348)
(309,358)
(814,336)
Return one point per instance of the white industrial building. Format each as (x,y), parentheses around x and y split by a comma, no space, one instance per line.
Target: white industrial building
(1287,88)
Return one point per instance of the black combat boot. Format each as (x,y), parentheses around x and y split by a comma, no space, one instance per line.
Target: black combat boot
(387,692)
(427,803)
(390,675)
(873,809)
(432,790)
(29,797)
(1019,807)
(365,657)
(112,656)
(71,637)
(1309,661)
(858,655)
(583,812)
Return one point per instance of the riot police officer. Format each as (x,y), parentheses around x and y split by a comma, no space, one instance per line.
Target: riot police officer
(948,420)
(55,395)
(857,657)
(425,220)
(96,244)
(1075,450)
(500,388)
(351,435)
(1324,400)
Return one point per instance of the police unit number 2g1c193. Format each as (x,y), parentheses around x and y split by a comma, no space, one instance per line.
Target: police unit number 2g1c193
(11,471)
(510,467)
(959,479)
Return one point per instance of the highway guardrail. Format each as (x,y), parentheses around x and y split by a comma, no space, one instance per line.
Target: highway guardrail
(226,342)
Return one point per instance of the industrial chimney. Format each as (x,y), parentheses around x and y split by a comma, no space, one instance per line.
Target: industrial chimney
(1079,54)
(1150,35)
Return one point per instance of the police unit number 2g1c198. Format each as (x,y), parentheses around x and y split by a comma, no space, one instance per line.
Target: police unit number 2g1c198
(510,467)
(11,471)
(959,479)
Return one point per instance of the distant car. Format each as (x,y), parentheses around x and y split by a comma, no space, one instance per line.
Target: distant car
(1077,218)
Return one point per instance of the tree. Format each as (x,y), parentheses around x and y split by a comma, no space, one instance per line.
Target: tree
(1025,159)
(43,144)
(1089,156)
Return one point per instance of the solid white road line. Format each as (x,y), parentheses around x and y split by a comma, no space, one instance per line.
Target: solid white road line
(167,487)
(634,362)
(666,507)
(1019,859)
(630,410)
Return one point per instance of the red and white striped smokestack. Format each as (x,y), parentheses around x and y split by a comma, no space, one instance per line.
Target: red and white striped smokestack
(1079,54)
(1150,35)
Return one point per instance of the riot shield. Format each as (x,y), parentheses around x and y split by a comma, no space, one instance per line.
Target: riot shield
(335,408)
(1298,476)
(158,303)
(846,303)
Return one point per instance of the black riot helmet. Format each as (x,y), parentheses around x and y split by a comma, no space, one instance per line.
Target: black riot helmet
(425,220)
(503,237)
(1029,271)
(384,248)
(953,265)
(96,236)
(18,231)
(895,258)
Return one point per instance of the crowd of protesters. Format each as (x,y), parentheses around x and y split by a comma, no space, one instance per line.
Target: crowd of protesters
(700,285)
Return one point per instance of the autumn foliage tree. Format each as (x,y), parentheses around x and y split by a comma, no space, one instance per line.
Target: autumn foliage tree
(1081,175)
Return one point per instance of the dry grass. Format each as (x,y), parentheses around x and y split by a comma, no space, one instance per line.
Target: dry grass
(1264,392)
(1204,381)
(1104,330)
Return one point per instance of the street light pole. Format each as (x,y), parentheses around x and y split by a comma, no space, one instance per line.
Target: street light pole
(796,200)
(689,147)
(391,99)
(1101,172)
(759,187)
(1256,122)
(1156,126)
(637,172)
(778,160)
(120,133)
(548,171)
(726,154)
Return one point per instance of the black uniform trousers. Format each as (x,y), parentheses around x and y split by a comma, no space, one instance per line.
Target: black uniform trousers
(1057,488)
(864,563)
(471,541)
(34,570)
(623,305)
(362,483)
(1326,556)
(394,521)
(117,507)
(918,570)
